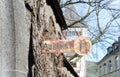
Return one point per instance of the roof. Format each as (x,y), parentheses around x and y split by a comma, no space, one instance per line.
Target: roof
(114,51)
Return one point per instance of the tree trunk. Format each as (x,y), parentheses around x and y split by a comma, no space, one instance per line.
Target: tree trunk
(44,26)
(24,25)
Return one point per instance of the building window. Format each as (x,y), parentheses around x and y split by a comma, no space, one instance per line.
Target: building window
(100,71)
(71,33)
(110,66)
(110,49)
(116,45)
(104,68)
(116,62)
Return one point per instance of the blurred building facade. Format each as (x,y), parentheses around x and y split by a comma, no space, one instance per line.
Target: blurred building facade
(109,66)
(80,67)
(74,32)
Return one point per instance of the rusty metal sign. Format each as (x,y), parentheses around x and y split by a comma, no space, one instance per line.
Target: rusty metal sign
(81,46)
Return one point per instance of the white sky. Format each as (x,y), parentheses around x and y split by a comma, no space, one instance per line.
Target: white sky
(97,52)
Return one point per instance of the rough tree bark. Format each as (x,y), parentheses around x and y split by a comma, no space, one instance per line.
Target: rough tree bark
(23,25)
(44,26)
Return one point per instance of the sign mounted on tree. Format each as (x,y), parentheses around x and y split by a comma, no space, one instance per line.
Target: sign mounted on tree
(81,46)
(75,41)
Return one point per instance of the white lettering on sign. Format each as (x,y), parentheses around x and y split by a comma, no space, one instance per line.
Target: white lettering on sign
(81,46)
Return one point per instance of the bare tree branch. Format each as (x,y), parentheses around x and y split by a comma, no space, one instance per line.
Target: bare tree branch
(70,2)
(80,20)
(98,24)
(97,6)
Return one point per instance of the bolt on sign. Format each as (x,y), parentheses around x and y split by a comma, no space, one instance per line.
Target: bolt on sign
(81,45)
